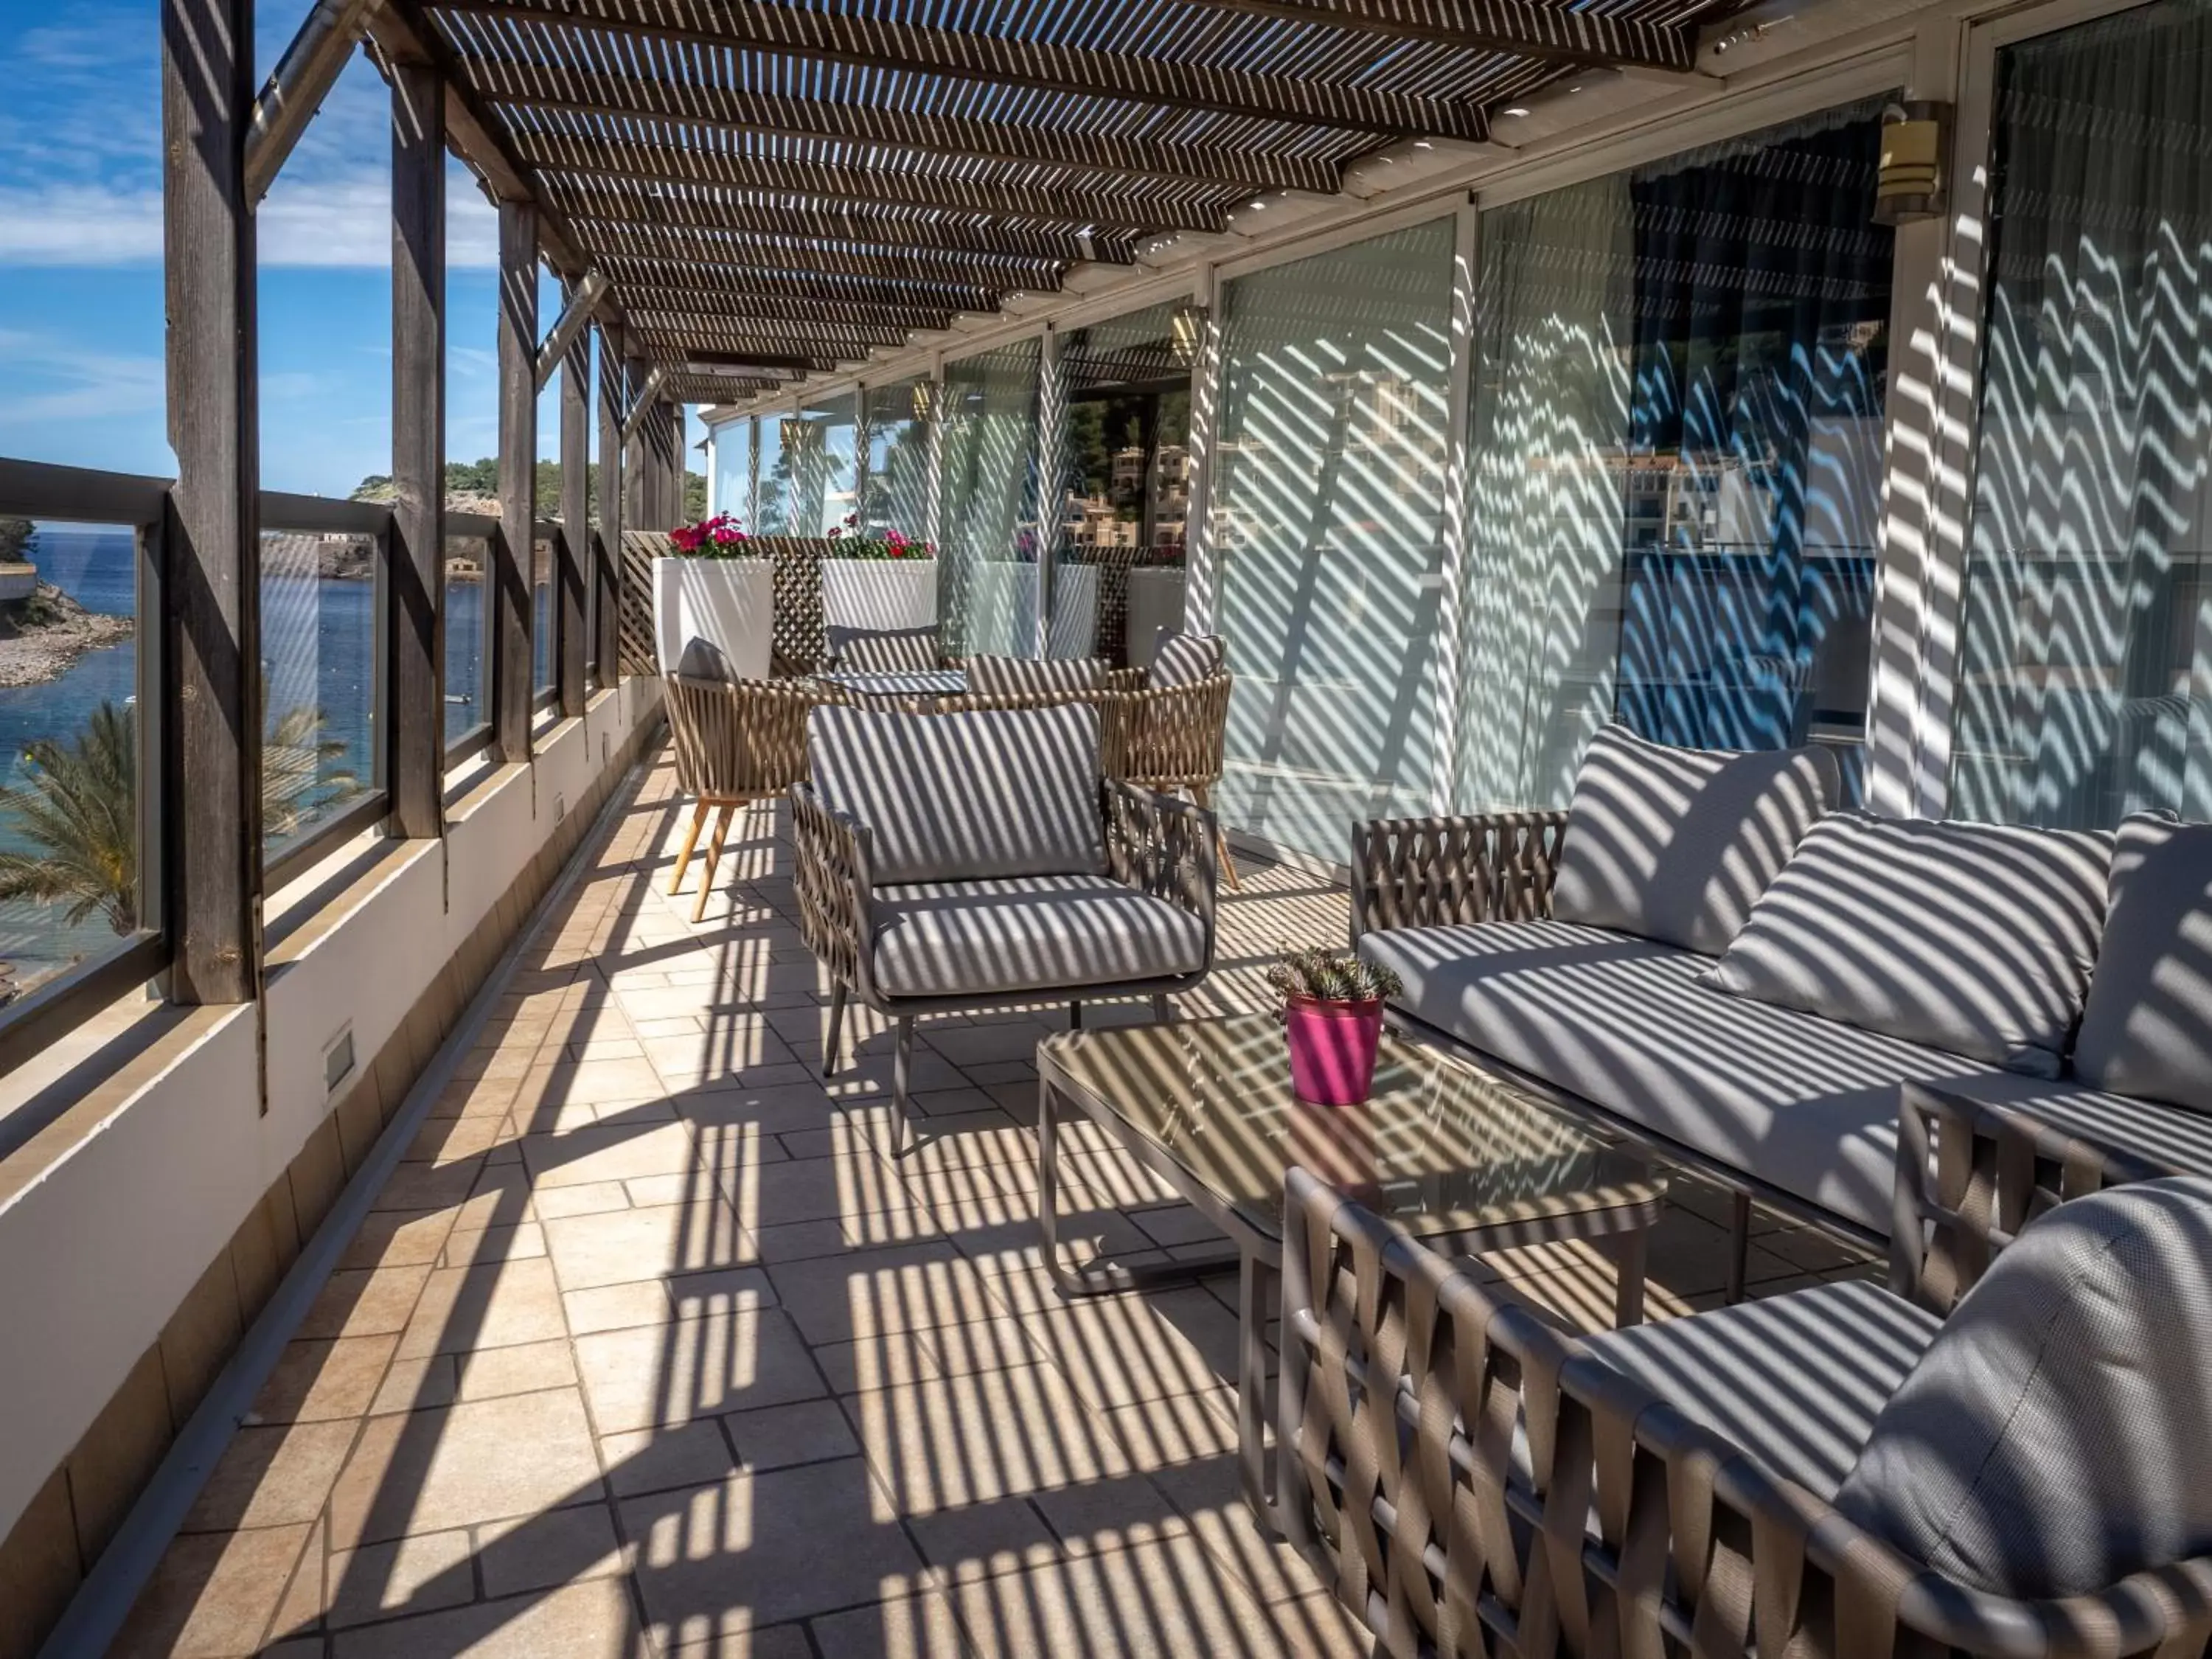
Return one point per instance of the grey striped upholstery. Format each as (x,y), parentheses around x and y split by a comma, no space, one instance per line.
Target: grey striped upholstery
(1187,659)
(965,796)
(980,938)
(1022,676)
(2148,1027)
(883,650)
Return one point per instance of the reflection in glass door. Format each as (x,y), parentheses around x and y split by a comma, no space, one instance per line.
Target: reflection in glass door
(2086,666)
(1675,458)
(1326,521)
(988,577)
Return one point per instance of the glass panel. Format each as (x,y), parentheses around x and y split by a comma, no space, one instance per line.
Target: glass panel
(2086,677)
(896,491)
(772,505)
(1327,519)
(70,737)
(467,638)
(822,447)
(1125,477)
(733,470)
(318,746)
(990,530)
(542,623)
(1676,464)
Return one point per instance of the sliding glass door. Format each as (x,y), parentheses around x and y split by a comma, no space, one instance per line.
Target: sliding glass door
(2085,687)
(1675,458)
(988,573)
(1326,524)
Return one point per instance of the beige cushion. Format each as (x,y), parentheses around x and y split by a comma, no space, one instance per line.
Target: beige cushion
(1974,938)
(2148,1027)
(1676,844)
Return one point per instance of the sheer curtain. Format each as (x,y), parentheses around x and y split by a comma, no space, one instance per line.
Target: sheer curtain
(1675,458)
(2086,659)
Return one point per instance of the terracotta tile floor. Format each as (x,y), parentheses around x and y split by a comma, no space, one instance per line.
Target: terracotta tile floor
(650,1349)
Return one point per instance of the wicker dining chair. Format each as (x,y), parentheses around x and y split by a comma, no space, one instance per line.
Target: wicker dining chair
(1171,739)
(737,742)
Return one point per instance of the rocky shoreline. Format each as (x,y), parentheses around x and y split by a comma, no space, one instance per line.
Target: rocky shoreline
(42,637)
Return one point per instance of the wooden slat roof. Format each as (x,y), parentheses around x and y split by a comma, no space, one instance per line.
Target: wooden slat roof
(802,181)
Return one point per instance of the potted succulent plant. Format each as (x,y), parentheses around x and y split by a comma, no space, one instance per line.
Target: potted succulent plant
(887,582)
(713,587)
(1333,1014)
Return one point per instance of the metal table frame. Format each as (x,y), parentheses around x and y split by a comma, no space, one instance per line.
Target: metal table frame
(1619,1230)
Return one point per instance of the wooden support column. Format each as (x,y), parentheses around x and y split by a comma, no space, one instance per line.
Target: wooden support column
(637,451)
(608,616)
(574,550)
(416,698)
(512,551)
(212,691)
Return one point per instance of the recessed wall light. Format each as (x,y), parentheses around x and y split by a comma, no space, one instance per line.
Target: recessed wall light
(1515,110)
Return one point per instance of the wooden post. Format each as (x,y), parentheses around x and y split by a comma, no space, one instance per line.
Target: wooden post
(636,467)
(512,553)
(608,614)
(416,699)
(574,546)
(212,663)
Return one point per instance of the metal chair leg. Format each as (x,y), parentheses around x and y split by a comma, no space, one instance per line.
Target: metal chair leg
(690,840)
(1739,1268)
(904,1138)
(1074,1015)
(1161,1013)
(714,857)
(1203,794)
(836,1030)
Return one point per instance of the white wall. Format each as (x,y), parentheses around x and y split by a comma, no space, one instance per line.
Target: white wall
(100,1246)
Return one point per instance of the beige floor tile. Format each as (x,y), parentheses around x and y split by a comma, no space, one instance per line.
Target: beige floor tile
(591,1083)
(428,1186)
(617,1307)
(414,1385)
(271,1477)
(819,1189)
(918,1626)
(495,1306)
(1119,1350)
(480,1246)
(488,1373)
(410,1575)
(319,1381)
(364,1302)
(766,1548)
(777,1437)
(443,1141)
(609,1152)
(398,1238)
(212,1597)
(732,1360)
(460,1464)
(862,1296)
(540,1551)
(641,1461)
(888,1361)
(953,1441)
(616,1247)
(591,1621)
(556,1202)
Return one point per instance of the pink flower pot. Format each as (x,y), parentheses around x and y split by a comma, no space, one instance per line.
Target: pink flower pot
(1333,1050)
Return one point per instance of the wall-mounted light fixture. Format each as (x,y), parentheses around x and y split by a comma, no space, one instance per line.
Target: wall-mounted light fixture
(1916,154)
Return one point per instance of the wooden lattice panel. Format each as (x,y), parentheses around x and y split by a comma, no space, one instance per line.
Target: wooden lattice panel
(640,549)
(798,642)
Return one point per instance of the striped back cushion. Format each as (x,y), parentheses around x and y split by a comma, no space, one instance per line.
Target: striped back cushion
(1022,676)
(969,796)
(1187,659)
(883,650)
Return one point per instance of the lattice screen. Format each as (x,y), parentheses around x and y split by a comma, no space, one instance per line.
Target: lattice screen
(799,643)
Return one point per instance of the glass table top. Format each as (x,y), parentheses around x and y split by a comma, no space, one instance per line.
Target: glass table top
(1440,1146)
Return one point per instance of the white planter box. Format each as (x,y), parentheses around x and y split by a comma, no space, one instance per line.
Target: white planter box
(728,603)
(1002,610)
(1156,608)
(880,593)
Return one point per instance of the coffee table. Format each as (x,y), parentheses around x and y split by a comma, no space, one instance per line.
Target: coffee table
(1444,1148)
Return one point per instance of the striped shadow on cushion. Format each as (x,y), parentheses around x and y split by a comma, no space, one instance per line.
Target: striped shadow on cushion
(883,650)
(969,796)
(1187,659)
(1000,677)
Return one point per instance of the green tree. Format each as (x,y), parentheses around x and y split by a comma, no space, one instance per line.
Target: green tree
(19,540)
(695,497)
(78,807)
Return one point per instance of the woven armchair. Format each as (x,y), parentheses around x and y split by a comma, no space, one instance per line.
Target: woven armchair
(979,859)
(737,742)
(1474,1482)
(1448,872)
(1172,738)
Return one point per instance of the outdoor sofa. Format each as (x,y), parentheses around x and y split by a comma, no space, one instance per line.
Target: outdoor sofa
(1858,1022)
(952,863)
(1833,1471)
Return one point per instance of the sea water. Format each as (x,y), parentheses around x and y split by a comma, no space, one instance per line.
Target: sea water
(317,646)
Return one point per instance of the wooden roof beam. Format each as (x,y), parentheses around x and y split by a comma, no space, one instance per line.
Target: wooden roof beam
(1519,27)
(999,60)
(1145,160)
(894,228)
(1073,203)
(767,311)
(736,334)
(787,253)
(651,276)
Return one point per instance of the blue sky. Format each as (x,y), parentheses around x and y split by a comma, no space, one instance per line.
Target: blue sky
(81,290)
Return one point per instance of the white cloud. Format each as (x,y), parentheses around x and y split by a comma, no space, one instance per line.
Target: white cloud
(333,223)
(51,381)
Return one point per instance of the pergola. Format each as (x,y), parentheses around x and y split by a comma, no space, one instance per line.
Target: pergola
(735,195)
